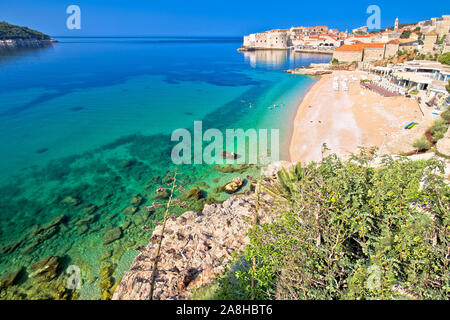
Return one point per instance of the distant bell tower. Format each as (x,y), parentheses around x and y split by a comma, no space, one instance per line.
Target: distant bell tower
(396,25)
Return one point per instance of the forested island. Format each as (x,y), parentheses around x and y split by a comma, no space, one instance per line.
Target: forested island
(17,36)
(12,32)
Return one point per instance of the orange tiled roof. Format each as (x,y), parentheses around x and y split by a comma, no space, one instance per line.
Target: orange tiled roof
(359,46)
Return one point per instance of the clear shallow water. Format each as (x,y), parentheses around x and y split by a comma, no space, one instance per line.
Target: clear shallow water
(90,119)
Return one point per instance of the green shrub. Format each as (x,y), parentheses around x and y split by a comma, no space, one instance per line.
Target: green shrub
(445,58)
(441,40)
(439,129)
(446,115)
(405,34)
(345,230)
(421,144)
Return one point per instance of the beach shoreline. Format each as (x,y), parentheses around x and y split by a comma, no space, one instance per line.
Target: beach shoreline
(347,121)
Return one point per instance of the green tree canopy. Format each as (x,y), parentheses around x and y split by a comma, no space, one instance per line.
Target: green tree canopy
(9,31)
(405,34)
(445,58)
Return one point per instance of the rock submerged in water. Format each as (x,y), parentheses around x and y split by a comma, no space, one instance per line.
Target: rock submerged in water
(45,269)
(162,194)
(56,221)
(129,210)
(112,235)
(42,150)
(71,201)
(91,209)
(137,200)
(193,194)
(127,163)
(82,229)
(126,224)
(86,220)
(106,280)
(234,185)
(10,278)
(231,168)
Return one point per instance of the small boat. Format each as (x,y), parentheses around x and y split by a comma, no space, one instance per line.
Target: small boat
(411,125)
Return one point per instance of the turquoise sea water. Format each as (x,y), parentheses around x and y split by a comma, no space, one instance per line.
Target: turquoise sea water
(86,127)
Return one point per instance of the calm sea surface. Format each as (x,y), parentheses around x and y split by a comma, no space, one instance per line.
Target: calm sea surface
(85,127)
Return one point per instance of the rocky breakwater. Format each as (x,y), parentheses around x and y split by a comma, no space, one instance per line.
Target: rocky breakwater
(197,246)
(318,69)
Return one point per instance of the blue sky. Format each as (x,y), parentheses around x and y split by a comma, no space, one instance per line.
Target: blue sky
(207,17)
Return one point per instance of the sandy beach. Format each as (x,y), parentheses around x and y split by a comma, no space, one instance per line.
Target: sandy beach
(349,120)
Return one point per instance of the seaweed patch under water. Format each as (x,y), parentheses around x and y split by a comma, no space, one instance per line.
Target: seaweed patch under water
(89,209)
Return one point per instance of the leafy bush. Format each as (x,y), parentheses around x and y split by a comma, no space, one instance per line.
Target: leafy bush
(439,129)
(445,58)
(421,144)
(442,39)
(405,34)
(446,115)
(345,230)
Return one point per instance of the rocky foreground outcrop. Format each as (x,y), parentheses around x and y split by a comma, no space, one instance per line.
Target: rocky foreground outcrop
(196,248)
(318,69)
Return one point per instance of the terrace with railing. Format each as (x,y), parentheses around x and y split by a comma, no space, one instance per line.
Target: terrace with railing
(382,89)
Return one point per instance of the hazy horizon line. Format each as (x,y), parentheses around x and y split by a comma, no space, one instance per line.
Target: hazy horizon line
(148,36)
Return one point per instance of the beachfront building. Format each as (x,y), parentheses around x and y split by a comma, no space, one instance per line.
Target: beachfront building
(426,78)
(431,69)
(366,52)
(411,80)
